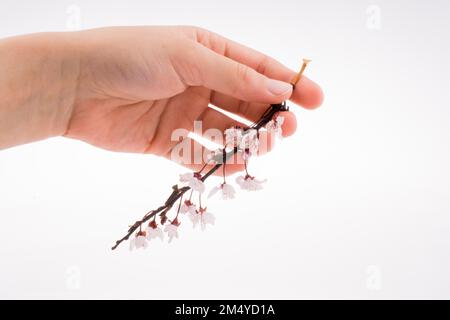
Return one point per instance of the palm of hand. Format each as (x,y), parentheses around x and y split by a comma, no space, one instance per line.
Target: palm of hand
(132,101)
(138,85)
(139,126)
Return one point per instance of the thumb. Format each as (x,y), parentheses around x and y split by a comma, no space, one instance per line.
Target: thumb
(225,75)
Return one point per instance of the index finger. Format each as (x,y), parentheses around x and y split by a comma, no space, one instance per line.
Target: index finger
(307,93)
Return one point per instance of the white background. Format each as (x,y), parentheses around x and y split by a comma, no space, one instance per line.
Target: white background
(357,204)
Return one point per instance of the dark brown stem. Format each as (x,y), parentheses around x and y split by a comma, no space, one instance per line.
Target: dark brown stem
(245,166)
(203,168)
(224,159)
(177,193)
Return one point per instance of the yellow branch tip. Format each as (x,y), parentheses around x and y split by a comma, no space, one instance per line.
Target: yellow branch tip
(300,73)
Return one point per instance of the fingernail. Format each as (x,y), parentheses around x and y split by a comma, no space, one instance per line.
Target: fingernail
(278,88)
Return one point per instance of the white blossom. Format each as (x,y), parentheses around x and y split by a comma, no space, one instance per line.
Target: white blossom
(139,242)
(186,177)
(214,191)
(250,142)
(194,217)
(193,181)
(228,191)
(154,232)
(206,218)
(187,207)
(274,126)
(233,137)
(215,156)
(202,217)
(249,183)
(132,247)
(172,231)
(197,185)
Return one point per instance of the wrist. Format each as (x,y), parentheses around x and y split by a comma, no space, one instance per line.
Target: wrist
(38,86)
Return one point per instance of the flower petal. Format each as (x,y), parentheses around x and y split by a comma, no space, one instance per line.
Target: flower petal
(280,120)
(213,191)
(186,177)
(132,245)
(197,185)
(228,191)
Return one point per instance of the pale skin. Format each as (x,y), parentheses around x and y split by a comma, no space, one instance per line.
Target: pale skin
(128,88)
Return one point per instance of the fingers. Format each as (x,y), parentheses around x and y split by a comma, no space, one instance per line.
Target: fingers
(307,93)
(249,110)
(200,66)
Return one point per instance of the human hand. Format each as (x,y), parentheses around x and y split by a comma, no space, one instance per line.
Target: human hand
(136,85)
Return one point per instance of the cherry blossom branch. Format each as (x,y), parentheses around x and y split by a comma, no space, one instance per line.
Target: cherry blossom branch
(177,192)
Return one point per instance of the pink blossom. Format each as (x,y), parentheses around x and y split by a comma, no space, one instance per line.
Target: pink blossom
(249,183)
(172,230)
(233,137)
(153,231)
(187,207)
(139,242)
(250,142)
(205,218)
(228,191)
(274,126)
(193,180)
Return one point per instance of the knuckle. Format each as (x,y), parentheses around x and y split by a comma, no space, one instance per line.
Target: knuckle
(247,78)
(186,63)
(242,72)
(263,64)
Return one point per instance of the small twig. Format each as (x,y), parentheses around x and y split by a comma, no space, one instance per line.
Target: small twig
(300,73)
(224,165)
